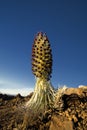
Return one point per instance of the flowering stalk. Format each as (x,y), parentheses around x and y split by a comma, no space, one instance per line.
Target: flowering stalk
(43,96)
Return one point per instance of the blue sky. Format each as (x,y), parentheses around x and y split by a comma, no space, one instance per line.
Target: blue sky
(65,23)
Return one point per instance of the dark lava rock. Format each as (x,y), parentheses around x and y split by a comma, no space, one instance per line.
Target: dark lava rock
(73,116)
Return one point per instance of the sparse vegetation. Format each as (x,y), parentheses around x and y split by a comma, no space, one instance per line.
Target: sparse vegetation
(45,108)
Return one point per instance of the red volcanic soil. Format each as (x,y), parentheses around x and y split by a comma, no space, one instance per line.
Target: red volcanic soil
(72,115)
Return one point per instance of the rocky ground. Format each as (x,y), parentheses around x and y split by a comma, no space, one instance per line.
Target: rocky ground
(71,116)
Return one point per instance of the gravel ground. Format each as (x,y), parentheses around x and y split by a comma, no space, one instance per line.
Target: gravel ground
(72,115)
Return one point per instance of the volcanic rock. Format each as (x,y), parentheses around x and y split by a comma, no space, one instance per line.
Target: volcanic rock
(71,116)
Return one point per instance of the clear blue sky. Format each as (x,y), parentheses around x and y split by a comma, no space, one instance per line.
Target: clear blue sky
(65,23)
